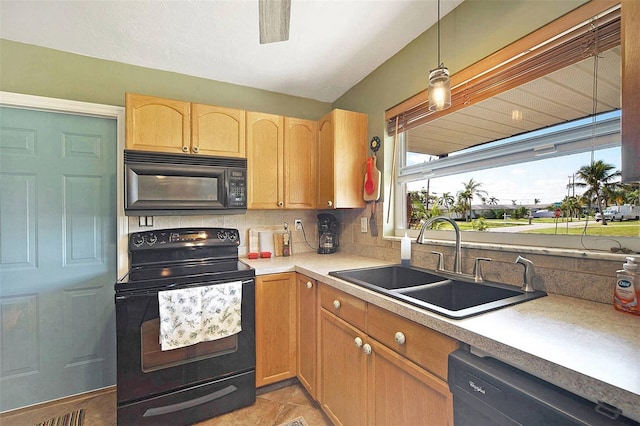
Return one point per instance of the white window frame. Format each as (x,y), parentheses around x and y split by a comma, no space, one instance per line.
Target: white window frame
(588,136)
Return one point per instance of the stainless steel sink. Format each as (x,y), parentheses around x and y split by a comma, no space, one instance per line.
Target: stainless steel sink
(441,293)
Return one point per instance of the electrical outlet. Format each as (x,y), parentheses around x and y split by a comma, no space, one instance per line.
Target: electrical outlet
(363,225)
(298,223)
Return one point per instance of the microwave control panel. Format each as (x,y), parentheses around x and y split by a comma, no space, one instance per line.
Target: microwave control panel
(237,188)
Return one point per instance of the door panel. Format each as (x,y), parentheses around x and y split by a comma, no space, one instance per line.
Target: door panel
(57,255)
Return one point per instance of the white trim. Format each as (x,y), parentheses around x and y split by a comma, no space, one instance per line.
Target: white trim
(550,143)
(67,106)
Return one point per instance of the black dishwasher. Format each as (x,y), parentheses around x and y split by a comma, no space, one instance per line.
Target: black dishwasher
(489,392)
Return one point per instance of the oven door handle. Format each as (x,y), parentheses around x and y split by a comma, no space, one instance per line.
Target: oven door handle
(148,293)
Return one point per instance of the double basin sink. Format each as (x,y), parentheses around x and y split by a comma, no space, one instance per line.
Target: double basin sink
(449,295)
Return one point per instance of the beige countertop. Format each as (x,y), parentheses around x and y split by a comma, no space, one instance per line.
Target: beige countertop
(585,347)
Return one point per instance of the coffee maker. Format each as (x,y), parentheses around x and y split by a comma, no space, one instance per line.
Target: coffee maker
(327,233)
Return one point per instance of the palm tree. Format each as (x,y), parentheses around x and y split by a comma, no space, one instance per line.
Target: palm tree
(447,200)
(597,177)
(470,190)
(493,201)
(536,201)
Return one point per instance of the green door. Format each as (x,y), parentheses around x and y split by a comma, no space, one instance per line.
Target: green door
(57,255)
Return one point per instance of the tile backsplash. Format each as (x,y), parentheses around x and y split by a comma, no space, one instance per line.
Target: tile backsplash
(303,241)
(566,274)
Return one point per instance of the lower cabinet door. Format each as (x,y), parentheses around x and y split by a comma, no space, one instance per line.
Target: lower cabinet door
(307,333)
(401,393)
(343,367)
(275,328)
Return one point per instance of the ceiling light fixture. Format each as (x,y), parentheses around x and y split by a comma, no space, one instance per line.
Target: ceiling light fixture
(439,82)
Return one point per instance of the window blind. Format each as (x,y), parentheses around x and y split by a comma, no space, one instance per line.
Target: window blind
(593,36)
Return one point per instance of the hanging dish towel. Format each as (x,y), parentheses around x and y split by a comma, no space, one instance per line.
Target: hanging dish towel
(199,314)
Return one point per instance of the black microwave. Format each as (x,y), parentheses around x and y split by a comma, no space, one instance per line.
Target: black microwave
(183,184)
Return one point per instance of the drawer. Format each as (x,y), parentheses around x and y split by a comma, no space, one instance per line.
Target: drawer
(427,348)
(343,305)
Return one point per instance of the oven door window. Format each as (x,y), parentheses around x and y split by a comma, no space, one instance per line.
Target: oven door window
(154,358)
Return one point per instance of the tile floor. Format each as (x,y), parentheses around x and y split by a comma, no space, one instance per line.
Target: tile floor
(271,409)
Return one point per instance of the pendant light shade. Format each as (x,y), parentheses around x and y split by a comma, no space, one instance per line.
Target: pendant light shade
(439,89)
(439,82)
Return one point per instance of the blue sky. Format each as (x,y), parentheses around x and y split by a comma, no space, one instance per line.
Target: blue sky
(545,179)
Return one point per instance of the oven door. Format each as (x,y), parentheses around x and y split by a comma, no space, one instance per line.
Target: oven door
(145,370)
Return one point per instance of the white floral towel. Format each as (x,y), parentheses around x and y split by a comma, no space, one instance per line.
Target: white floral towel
(199,314)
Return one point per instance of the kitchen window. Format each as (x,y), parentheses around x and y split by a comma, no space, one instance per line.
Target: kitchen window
(520,183)
(543,107)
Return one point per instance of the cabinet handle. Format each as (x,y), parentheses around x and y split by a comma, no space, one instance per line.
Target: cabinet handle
(358,342)
(309,284)
(330,203)
(366,348)
(400,338)
(185,149)
(280,204)
(196,149)
(336,304)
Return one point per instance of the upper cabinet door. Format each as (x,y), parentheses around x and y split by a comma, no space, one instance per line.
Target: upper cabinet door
(300,163)
(342,151)
(156,124)
(265,140)
(325,162)
(217,131)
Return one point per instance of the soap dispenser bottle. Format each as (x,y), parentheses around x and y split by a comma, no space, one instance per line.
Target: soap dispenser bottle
(625,295)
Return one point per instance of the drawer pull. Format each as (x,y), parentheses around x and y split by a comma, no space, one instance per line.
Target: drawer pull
(358,342)
(366,348)
(400,338)
(309,284)
(336,304)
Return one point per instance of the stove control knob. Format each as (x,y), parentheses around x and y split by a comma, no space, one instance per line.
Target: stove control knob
(221,235)
(152,239)
(232,236)
(137,239)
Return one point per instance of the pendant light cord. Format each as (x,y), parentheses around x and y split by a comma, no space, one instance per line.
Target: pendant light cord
(439,64)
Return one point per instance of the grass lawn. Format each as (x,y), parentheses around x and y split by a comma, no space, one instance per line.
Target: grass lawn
(614,229)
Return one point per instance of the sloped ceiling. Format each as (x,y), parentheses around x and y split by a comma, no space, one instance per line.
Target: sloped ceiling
(558,97)
(333,44)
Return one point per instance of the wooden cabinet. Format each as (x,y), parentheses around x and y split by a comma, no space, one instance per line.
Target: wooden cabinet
(343,371)
(307,333)
(382,380)
(282,157)
(166,125)
(218,131)
(300,163)
(401,393)
(156,124)
(425,347)
(276,304)
(342,148)
(265,147)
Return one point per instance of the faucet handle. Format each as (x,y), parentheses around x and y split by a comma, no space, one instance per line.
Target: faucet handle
(529,274)
(440,266)
(477,269)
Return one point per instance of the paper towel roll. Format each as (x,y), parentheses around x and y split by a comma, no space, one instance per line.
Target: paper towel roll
(265,239)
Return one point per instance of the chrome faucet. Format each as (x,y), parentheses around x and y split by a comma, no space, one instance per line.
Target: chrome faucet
(457,268)
(529,273)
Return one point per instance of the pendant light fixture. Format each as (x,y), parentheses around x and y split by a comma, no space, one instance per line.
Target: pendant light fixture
(439,82)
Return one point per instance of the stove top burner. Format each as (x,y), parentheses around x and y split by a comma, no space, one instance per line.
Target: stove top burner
(168,257)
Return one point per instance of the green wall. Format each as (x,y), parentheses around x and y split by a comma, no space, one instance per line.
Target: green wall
(52,73)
